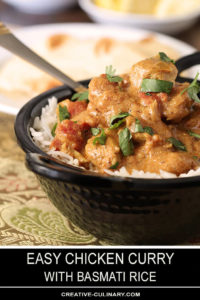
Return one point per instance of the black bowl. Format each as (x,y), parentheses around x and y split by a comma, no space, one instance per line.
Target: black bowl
(115,209)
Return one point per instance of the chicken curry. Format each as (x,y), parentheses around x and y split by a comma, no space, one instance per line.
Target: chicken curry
(143,120)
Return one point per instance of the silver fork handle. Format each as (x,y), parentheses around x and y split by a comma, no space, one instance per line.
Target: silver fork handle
(11,43)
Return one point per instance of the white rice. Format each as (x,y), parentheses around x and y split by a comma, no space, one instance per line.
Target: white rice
(41,131)
(41,134)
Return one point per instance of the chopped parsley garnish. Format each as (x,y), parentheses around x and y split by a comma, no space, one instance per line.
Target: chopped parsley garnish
(177,144)
(63,113)
(126,142)
(195,157)
(156,86)
(95,131)
(113,167)
(196,135)
(100,139)
(140,129)
(193,89)
(138,126)
(149,130)
(110,74)
(80,96)
(54,129)
(165,58)
(117,120)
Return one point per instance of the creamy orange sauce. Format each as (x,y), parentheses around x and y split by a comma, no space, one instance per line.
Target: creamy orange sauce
(167,114)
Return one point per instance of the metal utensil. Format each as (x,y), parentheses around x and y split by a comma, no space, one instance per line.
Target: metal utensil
(9,41)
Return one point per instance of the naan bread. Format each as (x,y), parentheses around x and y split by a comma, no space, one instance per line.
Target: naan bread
(80,59)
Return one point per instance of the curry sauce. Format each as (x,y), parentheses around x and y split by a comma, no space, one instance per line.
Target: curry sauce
(143,120)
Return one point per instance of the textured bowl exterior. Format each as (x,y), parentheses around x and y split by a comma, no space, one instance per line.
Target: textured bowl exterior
(128,217)
(120,211)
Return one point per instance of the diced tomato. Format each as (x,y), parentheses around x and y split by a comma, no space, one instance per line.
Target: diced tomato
(150,97)
(56,144)
(76,108)
(67,127)
(163,97)
(72,132)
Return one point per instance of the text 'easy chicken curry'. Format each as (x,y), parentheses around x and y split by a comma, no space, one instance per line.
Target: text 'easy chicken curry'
(143,120)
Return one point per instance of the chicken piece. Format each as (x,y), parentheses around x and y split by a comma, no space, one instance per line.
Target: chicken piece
(150,115)
(173,107)
(193,121)
(153,68)
(192,143)
(149,98)
(85,116)
(174,162)
(103,156)
(107,99)
(178,105)
(74,108)
(153,159)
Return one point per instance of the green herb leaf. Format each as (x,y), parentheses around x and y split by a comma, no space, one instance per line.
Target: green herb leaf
(114,78)
(110,71)
(100,139)
(80,96)
(177,144)
(116,125)
(149,130)
(138,126)
(156,86)
(193,93)
(63,113)
(126,142)
(95,131)
(195,157)
(113,167)
(110,74)
(54,129)
(164,57)
(193,89)
(140,129)
(117,120)
(194,134)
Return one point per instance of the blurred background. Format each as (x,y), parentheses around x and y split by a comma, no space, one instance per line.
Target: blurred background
(179,18)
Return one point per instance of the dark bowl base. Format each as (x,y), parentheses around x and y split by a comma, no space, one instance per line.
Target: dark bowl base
(169,220)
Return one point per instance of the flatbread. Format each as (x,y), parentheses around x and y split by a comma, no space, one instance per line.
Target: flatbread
(80,59)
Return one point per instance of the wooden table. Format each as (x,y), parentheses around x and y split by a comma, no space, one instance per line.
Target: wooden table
(25,212)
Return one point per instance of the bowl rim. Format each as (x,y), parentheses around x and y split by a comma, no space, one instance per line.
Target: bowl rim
(90,7)
(22,124)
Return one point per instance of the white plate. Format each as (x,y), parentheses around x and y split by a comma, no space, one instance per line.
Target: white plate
(172,25)
(38,33)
